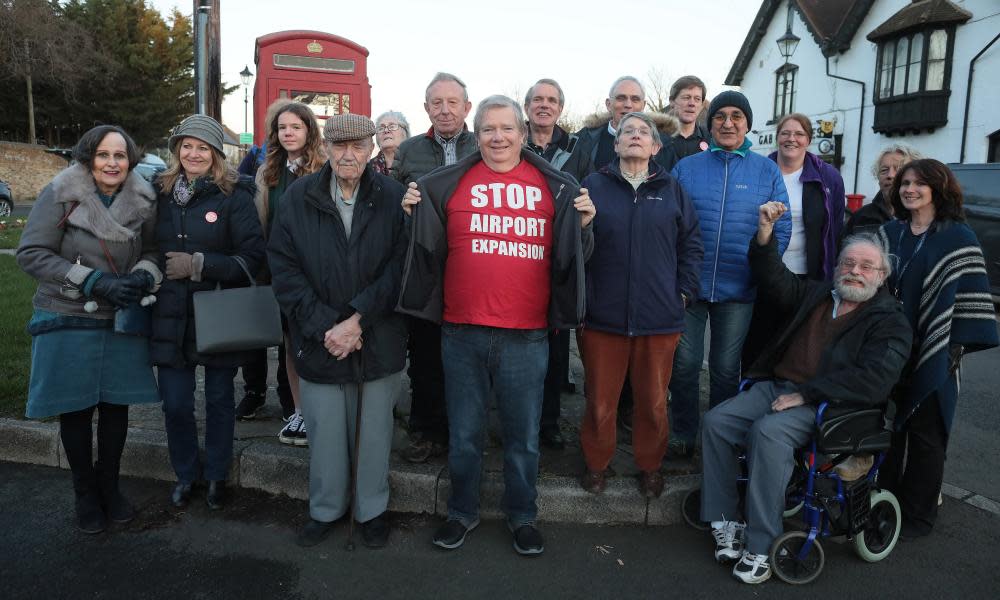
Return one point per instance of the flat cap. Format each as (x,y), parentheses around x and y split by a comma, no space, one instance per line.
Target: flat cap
(347,128)
(203,127)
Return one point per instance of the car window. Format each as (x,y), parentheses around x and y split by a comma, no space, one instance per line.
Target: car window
(980,186)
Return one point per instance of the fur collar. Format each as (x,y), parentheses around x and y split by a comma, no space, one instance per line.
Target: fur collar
(135,203)
(666,124)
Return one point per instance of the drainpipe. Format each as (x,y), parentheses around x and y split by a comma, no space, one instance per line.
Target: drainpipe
(861,120)
(968,96)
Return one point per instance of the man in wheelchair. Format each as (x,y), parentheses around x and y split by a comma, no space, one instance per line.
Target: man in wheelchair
(845,344)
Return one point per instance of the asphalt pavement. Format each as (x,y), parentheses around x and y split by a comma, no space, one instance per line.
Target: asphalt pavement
(247,551)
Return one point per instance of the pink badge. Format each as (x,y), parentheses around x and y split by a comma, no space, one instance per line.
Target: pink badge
(211,216)
(703,145)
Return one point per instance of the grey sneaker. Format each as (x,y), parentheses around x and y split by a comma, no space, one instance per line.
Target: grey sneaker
(528,541)
(452,534)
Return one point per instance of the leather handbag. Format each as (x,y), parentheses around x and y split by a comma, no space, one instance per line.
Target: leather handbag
(235,319)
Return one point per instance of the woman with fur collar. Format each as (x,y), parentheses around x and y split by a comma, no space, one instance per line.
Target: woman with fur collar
(89,243)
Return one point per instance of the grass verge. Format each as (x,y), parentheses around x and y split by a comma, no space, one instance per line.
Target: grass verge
(10,237)
(15,348)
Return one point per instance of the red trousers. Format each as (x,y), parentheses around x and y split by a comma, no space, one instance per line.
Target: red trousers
(648,361)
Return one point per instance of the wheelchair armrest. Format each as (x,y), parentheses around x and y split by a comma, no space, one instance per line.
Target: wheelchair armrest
(859,431)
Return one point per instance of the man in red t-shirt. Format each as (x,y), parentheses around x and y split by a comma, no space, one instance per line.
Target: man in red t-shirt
(497,254)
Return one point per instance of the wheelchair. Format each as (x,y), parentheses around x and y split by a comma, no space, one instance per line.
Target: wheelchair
(868,516)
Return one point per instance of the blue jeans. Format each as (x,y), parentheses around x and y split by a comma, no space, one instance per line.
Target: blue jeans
(512,363)
(177,388)
(729,324)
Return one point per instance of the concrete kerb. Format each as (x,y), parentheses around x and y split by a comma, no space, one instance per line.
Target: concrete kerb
(425,488)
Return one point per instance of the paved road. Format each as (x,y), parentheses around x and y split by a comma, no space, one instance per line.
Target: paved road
(974,449)
(247,552)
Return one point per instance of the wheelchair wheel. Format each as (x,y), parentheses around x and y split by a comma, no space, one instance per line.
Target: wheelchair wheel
(881,531)
(787,565)
(691,509)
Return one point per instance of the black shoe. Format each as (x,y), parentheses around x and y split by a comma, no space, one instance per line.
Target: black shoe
(421,450)
(551,437)
(528,541)
(215,498)
(249,405)
(89,516)
(679,449)
(313,533)
(452,534)
(375,533)
(116,507)
(181,495)
(910,531)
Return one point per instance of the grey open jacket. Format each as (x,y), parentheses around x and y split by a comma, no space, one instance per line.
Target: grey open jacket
(61,251)
(422,290)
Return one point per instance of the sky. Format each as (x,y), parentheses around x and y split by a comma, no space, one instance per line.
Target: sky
(500,47)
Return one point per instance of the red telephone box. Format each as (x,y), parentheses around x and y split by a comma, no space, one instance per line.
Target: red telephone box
(324,71)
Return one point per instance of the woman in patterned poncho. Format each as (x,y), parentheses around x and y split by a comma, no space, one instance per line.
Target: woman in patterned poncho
(940,277)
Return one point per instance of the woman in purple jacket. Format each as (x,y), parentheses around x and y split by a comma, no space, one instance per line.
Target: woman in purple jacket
(816,195)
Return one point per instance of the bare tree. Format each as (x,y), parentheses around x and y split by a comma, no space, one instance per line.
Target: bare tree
(38,47)
(658,91)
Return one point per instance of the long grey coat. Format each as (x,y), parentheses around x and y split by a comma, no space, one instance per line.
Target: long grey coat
(61,252)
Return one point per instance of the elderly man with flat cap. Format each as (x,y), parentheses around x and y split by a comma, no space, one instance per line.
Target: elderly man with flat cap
(336,252)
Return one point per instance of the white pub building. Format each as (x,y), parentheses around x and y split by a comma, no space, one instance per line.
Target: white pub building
(872,72)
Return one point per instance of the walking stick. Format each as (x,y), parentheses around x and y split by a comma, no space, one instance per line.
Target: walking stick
(357,445)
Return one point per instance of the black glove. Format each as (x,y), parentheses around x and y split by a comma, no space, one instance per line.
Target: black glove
(142,278)
(120,291)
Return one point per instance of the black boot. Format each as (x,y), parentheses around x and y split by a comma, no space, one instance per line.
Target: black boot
(116,506)
(89,516)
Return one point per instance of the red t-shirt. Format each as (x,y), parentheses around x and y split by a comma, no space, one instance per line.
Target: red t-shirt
(499,237)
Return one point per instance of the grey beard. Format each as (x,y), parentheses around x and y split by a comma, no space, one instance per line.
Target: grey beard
(854,294)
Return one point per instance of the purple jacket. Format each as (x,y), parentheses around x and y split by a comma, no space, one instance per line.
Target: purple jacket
(823,203)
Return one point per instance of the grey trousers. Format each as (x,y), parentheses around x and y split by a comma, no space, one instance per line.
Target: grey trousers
(770,439)
(329,411)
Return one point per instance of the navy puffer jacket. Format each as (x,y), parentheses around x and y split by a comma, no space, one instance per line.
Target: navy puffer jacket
(219,226)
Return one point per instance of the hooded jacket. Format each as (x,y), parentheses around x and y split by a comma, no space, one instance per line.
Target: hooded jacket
(823,203)
(595,129)
(727,188)
(860,366)
(321,277)
(421,154)
(219,226)
(61,251)
(647,252)
(422,289)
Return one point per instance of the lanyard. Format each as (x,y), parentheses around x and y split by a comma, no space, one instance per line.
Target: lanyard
(899,244)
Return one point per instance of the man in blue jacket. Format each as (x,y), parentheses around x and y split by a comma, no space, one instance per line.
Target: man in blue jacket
(727,185)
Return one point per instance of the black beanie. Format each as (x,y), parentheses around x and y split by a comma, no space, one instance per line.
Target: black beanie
(731,98)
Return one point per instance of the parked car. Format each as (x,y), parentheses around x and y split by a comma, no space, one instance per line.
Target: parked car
(981,190)
(150,166)
(6,200)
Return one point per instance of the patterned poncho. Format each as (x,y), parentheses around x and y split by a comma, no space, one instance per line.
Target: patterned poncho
(946,297)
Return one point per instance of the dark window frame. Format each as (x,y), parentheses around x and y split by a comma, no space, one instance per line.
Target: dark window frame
(784,89)
(925,34)
(993,147)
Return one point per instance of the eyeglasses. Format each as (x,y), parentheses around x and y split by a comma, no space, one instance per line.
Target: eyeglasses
(866,268)
(721,118)
(787,133)
(387,127)
(643,131)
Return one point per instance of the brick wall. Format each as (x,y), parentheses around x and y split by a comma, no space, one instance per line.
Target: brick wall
(28,168)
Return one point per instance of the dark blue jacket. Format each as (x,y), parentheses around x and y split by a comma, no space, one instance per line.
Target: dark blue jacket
(232,229)
(727,188)
(647,251)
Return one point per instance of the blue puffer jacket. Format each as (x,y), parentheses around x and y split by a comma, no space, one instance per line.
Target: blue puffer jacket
(727,189)
(647,252)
